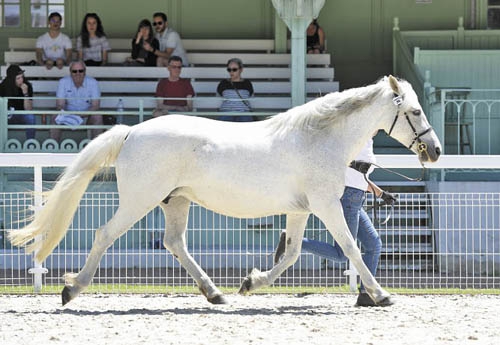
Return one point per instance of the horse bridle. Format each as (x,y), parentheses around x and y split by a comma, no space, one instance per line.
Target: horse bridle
(422,147)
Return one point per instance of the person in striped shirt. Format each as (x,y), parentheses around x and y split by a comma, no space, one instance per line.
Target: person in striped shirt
(236,91)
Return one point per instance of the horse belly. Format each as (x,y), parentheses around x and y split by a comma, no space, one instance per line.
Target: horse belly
(242,202)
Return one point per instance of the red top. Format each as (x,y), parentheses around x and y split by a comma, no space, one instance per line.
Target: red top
(174,89)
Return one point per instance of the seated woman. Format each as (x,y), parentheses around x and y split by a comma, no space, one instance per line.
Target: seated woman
(236,92)
(16,85)
(315,38)
(140,55)
(92,44)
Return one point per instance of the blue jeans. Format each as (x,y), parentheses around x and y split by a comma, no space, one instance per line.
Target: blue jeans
(361,228)
(24,119)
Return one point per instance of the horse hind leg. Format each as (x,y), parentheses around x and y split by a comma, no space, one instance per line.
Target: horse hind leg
(176,211)
(122,220)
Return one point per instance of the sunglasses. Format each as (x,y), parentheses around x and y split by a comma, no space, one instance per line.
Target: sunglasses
(175,67)
(157,23)
(232,69)
(75,71)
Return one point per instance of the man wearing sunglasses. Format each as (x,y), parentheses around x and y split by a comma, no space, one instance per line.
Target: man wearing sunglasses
(77,92)
(170,41)
(173,87)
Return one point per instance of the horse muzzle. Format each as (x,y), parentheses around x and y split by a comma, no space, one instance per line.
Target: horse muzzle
(428,152)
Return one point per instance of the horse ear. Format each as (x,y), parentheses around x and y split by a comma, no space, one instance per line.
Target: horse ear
(394,85)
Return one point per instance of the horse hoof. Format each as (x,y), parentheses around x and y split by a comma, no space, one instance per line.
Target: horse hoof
(66,295)
(219,299)
(245,286)
(385,302)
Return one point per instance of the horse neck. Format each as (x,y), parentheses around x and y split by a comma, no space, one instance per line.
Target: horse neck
(358,127)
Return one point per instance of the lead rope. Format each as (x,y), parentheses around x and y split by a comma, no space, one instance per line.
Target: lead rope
(363,168)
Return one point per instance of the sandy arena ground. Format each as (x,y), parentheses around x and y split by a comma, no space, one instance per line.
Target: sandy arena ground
(255,319)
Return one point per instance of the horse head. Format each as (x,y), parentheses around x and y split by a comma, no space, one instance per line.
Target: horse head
(409,125)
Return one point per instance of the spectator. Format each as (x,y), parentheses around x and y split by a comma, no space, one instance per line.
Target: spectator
(358,222)
(236,92)
(315,38)
(16,85)
(77,92)
(53,47)
(173,87)
(170,41)
(144,46)
(92,44)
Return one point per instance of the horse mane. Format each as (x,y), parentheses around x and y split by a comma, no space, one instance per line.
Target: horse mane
(322,112)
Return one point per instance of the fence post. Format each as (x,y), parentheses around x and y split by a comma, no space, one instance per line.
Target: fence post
(352,276)
(38,270)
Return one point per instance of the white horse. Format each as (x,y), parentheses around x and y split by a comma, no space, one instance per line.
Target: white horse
(292,163)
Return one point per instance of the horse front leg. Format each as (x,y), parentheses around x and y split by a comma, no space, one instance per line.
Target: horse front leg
(295,224)
(176,213)
(334,220)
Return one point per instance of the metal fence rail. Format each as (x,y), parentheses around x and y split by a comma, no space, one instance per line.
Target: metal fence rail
(434,240)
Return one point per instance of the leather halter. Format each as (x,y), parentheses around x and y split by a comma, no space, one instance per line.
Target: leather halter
(422,147)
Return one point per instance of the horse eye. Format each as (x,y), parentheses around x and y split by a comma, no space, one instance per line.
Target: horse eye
(417,112)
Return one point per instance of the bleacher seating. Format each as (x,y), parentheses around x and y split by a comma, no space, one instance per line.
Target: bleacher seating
(270,75)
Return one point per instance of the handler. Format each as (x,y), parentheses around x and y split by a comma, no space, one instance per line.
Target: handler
(357,220)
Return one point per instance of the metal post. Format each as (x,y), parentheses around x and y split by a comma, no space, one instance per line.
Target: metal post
(38,270)
(352,276)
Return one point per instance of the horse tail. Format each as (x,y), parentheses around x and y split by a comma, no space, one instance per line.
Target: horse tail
(53,220)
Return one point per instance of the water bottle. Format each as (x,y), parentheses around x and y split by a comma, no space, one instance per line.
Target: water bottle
(119,108)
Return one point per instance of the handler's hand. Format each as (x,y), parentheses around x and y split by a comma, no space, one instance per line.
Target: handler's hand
(389,199)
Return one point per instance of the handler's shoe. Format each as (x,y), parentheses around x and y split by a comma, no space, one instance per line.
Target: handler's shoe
(364,300)
(280,249)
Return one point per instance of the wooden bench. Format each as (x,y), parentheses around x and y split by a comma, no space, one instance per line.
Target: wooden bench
(194,73)
(202,88)
(124,44)
(195,59)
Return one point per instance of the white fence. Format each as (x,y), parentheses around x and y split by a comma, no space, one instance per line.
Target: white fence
(434,240)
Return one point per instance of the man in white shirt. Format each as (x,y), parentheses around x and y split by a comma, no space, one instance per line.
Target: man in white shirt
(53,47)
(170,41)
(77,92)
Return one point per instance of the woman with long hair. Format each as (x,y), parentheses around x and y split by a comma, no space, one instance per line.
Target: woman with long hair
(16,85)
(92,44)
(143,55)
(315,38)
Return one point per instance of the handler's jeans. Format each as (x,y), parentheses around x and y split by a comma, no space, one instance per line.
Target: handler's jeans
(361,228)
